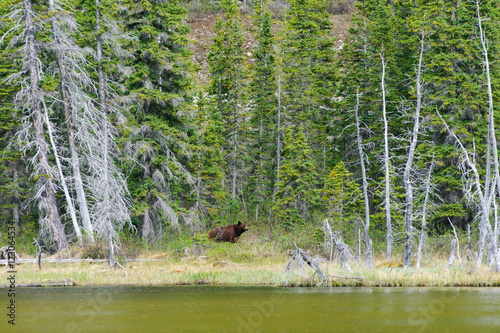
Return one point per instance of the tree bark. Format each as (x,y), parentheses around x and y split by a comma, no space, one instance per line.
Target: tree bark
(485,202)
(491,130)
(409,161)
(105,137)
(68,114)
(46,198)
(424,213)
(62,178)
(369,255)
(16,195)
(386,165)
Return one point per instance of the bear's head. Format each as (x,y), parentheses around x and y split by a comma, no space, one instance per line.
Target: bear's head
(242,227)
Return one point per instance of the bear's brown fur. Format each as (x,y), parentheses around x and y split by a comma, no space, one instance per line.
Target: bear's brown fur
(229,233)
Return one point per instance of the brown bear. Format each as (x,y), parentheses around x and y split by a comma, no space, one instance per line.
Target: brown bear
(229,233)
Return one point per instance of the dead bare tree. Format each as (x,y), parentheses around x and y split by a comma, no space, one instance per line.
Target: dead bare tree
(62,177)
(111,210)
(424,215)
(29,99)
(70,60)
(368,241)
(301,257)
(491,126)
(335,245)
(457,242)
(409,161)
(485,196)
(389,238)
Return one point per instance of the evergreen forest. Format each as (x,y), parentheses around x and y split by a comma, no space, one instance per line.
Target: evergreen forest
(107,131)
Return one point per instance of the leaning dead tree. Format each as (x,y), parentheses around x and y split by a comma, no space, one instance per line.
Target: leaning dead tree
(485,195)
(62,178)
(300,257)
(335,246)
(409,160)
(74,80)
(483,189)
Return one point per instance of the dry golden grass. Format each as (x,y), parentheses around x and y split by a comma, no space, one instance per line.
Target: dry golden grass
(251,264)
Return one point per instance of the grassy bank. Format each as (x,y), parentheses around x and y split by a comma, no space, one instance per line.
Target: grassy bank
(251,263)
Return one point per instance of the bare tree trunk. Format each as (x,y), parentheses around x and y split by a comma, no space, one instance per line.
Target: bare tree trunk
(75,161)
(451,260)
(495,230)
(457,242)
(359,246)
(16,194)
(105,137)
(485,202)
(409,161)
(386,165)
(62,178)
(235,151)
(278,130)
(469,244)
(198,187)
(491,129)
(424,213)
(46,196)
(368,258)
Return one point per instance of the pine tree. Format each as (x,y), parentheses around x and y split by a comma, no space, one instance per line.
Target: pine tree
(263,122)
(11,177)
(208,162)
(160,83)
(310,76)
(226,60)
(297,195)
(342,197)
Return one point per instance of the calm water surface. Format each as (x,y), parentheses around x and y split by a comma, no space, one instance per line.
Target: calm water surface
(254,309)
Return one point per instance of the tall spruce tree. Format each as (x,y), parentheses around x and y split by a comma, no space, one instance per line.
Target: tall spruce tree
(227,70)
(208,161)
(263,121)
(297,194)
(310,77)
(159,82)
(11,176)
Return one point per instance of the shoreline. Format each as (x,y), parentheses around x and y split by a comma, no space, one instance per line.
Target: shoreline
(270,271)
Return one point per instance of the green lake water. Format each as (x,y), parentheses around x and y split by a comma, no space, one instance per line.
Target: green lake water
(254,309)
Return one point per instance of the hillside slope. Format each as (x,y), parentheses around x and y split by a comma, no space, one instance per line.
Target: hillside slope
(202,33)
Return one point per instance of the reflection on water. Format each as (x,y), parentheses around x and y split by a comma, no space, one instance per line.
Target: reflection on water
(256,309)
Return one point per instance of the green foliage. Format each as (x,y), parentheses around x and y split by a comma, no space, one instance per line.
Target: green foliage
(296,194)
(194,160)
(310,74)
(208,161)
(263,122)
(95,250)
(343,200)
(228,79)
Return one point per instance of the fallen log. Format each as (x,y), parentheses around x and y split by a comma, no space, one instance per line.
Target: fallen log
(63,283)
(312,262)
(346,277)
(63,261)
